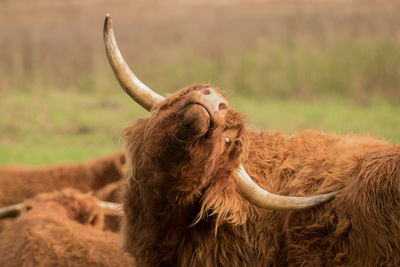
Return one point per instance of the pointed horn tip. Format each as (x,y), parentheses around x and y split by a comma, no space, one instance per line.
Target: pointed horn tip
(11,211)
(333,194)
(107,22)
(266,200)
(107,28)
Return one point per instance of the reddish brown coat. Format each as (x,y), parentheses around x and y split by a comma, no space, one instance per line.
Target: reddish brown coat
(21,182)
(61,229)
(182,207)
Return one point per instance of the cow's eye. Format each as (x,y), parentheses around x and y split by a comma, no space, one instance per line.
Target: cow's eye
(227,140)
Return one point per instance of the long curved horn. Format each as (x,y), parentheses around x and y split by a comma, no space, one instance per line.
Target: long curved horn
(266,200)
(109,208)
(137,90)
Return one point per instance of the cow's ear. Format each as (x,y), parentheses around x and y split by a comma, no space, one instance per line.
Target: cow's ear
(27,206)
(96,220)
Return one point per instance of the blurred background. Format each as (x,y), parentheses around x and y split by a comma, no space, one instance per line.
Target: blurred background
(331,65)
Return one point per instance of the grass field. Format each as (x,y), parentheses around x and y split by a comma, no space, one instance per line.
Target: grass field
(50,127)
(288,65)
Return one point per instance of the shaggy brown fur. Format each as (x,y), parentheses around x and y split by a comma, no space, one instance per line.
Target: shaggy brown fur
(110,192)
(182,207)
(61,229)
(20,182)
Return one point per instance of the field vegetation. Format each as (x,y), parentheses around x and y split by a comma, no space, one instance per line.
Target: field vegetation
(331,65)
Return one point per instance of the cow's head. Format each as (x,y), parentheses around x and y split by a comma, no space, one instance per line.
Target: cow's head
(194,140)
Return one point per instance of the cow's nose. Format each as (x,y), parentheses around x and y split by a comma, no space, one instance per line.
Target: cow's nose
(213,101)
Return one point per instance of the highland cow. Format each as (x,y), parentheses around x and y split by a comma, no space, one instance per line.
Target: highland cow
(109,193)
(61,229)
(20,182)
(193,198)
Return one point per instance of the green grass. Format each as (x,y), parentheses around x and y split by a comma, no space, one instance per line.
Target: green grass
(43,127)
(48,127)
(379,119)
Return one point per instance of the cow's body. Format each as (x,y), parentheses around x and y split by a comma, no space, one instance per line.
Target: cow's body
(21,182)
(360,227)
(61,229)
(182,206)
